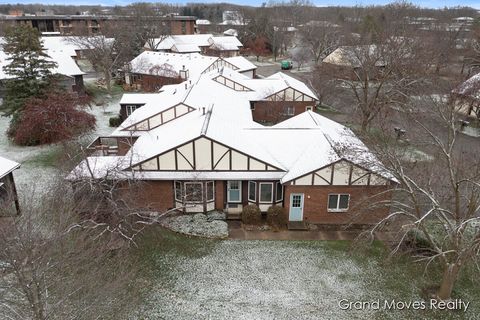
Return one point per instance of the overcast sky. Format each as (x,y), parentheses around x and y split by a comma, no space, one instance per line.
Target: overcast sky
(423,3)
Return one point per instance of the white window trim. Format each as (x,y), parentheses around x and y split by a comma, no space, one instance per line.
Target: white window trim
(181,189)
(308,108)
(338,202)
(185,191)
(213,191)
(283,191)
(239,189)
(252,200)
(260,192)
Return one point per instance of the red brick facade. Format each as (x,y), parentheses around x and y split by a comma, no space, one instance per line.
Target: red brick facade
(150,83)
(276,111)
(316,201)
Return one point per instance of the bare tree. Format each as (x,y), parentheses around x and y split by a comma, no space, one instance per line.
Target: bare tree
(301,55)
(320,40)
(437,201)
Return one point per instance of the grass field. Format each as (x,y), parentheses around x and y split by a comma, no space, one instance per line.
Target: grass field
(191,278)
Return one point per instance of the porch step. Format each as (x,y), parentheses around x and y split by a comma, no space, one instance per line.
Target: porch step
(297,225)
(234,216)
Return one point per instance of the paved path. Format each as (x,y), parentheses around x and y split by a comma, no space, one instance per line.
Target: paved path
(236,232)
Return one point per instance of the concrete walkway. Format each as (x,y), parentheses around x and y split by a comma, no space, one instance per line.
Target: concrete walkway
(236,232)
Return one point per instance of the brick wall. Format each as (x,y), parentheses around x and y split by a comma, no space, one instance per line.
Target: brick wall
(152,195)
(316,200)
(273,111)
(151,83)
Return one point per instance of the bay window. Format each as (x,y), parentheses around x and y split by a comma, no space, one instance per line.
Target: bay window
(252,191)
(266,192)
(234,191)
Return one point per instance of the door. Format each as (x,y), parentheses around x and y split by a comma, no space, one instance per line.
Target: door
(296,207)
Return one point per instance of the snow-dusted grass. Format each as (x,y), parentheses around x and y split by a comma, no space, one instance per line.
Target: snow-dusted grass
(38,164)
(193,278)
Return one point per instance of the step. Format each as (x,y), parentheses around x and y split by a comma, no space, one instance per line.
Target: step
(234,216)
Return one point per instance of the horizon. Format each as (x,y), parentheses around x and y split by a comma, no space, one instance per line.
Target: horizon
(426,4)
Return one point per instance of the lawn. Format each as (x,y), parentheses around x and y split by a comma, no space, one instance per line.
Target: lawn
(191,278)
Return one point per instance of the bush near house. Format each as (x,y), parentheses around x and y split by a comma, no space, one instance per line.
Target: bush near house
(251,214)
(49,119)
(114,121)
(276,216)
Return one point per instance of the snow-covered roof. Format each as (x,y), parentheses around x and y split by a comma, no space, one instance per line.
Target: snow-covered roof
(7,166)
(203,22)
(230,32)
(241,63)
(170,64)
(295,147)
(193,43)
(470,87)
(59,49)
(348,56)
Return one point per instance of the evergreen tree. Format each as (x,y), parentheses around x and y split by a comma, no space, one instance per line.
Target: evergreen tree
(29,68)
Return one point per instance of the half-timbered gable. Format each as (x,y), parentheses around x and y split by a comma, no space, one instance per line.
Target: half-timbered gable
(161,118)
(341,173)
(231,83)
(289,94)
(204,154)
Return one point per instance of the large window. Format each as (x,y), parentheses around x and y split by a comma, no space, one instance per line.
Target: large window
(193,192)
(252,191)
(234,191)
(289,111)
(266,192)
(279,192)
(130,108)
(338,202)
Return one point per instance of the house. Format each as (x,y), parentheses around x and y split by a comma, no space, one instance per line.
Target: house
(467,96)
(61,51)
(8,192)
(198,152)
(150,70)
(202,43)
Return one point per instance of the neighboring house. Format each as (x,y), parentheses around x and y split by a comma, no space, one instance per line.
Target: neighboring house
(8,192)
(150,70)
(61,51)
(197,148)
(467,96)
(203,43)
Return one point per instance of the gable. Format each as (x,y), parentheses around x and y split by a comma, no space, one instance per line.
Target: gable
(231,84)
(204,154)
(341,173)
(289,94)
(219,63)
(161,118)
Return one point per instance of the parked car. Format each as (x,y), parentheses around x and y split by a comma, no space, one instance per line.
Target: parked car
(287,65)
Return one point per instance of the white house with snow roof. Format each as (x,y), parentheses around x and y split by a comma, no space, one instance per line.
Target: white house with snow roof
(225,46)
(150,70)
(8,191)
(197,152)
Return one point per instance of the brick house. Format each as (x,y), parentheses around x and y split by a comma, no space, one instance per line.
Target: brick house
(151,70)
(8,192)
(197,152)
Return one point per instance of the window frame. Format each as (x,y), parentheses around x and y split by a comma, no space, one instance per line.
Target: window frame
(260,192)
(176,189)
(337,209)
(239,191)
(276,192)
(255,195)
(287,110)
(308,108)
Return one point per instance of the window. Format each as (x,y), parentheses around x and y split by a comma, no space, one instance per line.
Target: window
(309,108)
(266,192)
(296,201)
(279,192)
(178,191)
(252,191)
(252,105)
(289,111)
(338,202)
(129,108)
(193,191)
(210,191)
(234,191)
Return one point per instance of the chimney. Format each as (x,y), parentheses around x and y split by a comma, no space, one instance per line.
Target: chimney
(203,110)
(183,67)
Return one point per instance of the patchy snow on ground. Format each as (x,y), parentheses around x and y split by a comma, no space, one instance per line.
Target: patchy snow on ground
(258,280)
(210,225)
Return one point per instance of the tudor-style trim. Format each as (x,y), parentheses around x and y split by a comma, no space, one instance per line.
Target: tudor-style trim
(224,83)
(230,149)
(133,127)
(294,90)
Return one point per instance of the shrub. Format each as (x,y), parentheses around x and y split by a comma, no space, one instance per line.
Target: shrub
(276,216)
(251,214)
(114,121)
(54,117)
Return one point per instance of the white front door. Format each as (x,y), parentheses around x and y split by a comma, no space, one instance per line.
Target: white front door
(296,207)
